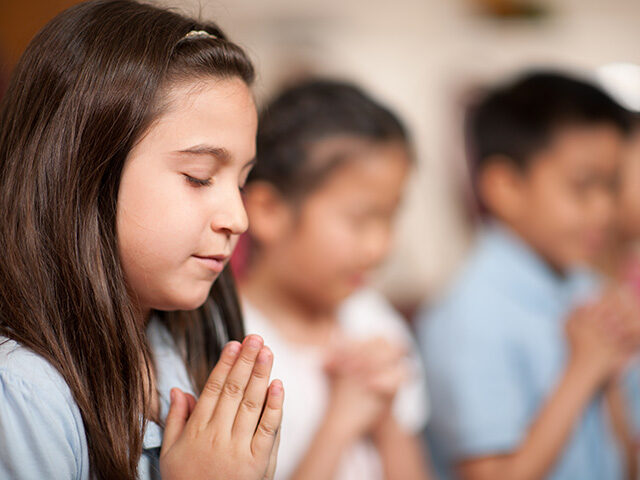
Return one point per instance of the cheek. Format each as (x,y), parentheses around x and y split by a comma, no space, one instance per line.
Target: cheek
(335,242)
(152,219)
(156,238)
(629,199)
(554,204)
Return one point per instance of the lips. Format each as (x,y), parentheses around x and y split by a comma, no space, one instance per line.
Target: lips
(215,263)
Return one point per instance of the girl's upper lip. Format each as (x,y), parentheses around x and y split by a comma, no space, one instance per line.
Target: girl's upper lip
(220,258)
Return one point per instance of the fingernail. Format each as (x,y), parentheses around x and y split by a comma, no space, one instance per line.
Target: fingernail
(172,395)
(276,388)
(264,356)
(253,341)
(233,348)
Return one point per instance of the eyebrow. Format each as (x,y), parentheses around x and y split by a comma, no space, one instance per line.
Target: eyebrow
(251,163)
(220,153)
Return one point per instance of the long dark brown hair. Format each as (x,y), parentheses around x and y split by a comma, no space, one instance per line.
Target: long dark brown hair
(85,90)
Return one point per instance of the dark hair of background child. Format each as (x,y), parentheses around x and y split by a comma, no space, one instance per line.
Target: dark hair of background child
(517,120)
(303,116)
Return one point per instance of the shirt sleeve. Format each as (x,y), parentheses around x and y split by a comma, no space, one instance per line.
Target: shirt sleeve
(631,389)
(411,405)
(39,432)
(479,405)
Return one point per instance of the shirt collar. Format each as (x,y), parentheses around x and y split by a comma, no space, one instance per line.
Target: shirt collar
(170,372)
(526,275)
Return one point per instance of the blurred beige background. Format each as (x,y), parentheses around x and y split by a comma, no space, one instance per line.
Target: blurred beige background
(423,58)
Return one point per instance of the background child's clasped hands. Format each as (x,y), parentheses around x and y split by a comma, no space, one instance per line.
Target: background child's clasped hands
(365,377)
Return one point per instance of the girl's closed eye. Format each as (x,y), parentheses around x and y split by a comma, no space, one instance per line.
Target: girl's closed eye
(198,182)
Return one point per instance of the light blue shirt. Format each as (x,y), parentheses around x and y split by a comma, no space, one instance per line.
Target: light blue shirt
(41,430)
(494,350)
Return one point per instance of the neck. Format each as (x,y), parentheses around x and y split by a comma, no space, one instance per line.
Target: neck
(297,319)
(143,314)
(521,234)
(613,260)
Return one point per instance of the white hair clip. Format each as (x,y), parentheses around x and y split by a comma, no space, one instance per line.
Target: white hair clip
(198,34)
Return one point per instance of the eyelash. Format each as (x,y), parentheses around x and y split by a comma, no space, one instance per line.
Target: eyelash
(197,182)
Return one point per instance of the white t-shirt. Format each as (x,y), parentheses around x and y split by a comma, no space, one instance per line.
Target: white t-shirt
(365,314)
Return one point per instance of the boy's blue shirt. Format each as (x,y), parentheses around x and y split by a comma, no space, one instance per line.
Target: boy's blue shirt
(495,349)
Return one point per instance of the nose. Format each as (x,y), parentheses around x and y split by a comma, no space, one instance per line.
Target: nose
(377,245)
(230,217)
(604,207)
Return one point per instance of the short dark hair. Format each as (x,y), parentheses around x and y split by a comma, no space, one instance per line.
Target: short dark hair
(303,115)
(518,119)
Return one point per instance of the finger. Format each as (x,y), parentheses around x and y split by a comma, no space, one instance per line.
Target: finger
(213,388)
(387,354)
(237,380)
(390,380)
(359,357)
(265,435)
(192,402)
(338,352)
(254,396)
(176,418)
(273,459)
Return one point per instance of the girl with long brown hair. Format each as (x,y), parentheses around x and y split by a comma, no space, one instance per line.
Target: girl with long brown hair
(126,136)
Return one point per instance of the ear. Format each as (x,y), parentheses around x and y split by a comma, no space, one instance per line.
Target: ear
(502,188)
(270,216)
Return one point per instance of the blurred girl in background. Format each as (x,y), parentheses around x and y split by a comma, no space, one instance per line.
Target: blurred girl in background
(332,164)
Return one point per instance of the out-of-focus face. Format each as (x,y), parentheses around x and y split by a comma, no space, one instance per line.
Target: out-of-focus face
(564,202)
(343,228)
(628,200)
(180,209)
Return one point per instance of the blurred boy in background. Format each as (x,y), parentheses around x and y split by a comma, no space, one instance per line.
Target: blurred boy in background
(621,260)
(525,353)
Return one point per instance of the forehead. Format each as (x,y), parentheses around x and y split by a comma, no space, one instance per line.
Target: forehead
(206,111)
(373,170)
(595,147)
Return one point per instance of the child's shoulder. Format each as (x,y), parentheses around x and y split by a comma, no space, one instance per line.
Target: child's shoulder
(477,291)
(494,277)
(39,419)
(479,304)
(367,312)
(24,372)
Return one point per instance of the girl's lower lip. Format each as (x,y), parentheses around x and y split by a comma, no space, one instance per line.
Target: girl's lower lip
(211,263)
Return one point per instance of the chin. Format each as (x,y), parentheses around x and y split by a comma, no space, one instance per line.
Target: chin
(186,300)
(340,296)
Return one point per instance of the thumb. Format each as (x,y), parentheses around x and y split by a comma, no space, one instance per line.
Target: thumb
(176,418)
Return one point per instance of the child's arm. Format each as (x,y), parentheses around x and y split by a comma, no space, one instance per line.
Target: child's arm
(41,429)
(403,454)
(617,404)
(595,355)
(362,378)
(546,437)
(351,413)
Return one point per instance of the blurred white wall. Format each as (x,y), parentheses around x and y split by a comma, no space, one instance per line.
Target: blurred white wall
(421,56)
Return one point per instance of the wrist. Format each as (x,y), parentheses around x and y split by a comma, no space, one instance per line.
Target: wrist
(337,428)
(385,428)
(585,375)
